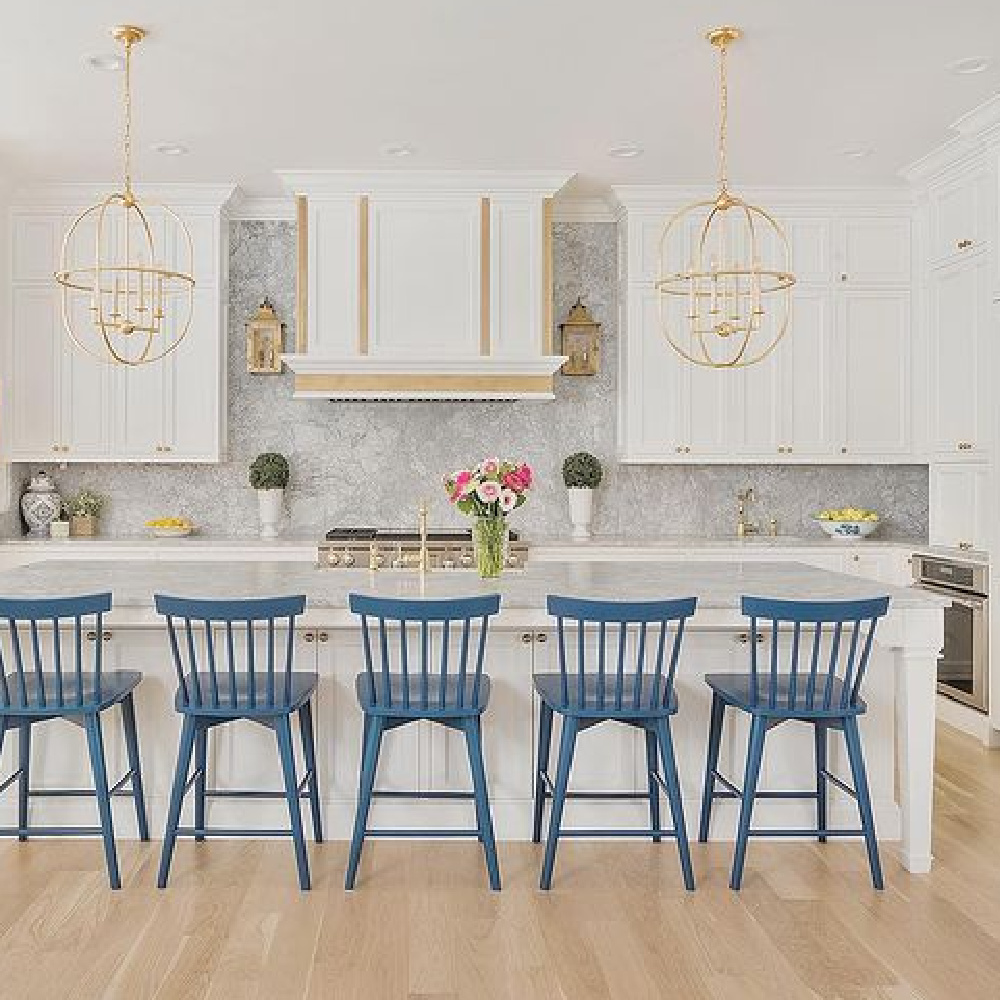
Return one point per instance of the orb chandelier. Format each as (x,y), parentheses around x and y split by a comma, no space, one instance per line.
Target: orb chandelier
(124,300)
(724,275)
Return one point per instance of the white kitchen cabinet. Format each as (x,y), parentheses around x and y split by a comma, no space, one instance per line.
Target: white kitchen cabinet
(874,354)
(873,250)
(960,509)
(959,366)
(960,206)
(63,404)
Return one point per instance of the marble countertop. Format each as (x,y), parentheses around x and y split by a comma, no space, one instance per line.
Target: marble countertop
(717,585)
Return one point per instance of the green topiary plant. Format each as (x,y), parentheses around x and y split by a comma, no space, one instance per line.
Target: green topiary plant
(269,471)
(86,503)
(582,471)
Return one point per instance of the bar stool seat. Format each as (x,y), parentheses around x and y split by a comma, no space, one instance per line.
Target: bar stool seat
(594,705)
(446,705)
(301,687)
(737,690)
(38,693)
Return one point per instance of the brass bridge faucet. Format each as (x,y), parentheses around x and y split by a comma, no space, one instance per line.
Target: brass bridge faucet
(744,526)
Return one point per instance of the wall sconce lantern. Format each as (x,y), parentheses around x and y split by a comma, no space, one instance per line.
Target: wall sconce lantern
(580,341)
(265,341)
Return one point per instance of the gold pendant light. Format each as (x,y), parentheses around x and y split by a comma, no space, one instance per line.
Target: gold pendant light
(123,299)
(724,267)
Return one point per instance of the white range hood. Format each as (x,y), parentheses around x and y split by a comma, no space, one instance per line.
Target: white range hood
(424,285)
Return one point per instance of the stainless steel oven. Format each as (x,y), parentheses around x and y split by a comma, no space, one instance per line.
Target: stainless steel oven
(963,666)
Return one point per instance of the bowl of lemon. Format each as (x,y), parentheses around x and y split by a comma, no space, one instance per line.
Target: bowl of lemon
(848,523)
(170,527)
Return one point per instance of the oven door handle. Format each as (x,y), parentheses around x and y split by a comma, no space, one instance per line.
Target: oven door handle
(974,601)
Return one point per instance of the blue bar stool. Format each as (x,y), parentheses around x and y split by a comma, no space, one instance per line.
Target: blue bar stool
(64,679)
(814,680)
(211,693)
(395,692)
(636,689)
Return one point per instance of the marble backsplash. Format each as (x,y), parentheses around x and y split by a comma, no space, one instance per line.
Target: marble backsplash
(360,463)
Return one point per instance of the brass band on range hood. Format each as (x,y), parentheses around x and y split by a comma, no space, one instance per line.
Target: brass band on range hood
(431,382)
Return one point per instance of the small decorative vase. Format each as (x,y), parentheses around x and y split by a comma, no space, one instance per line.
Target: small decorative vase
(40,505)
(271,504)
(581,511)
(490,537)
(82,526)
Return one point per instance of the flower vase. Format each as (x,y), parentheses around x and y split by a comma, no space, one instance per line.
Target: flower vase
(272,505)
(490,537)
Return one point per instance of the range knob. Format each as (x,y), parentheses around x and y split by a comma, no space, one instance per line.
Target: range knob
(349,559)
(398,563)
(332,559)
(465,560)
(513,561)
(447,563)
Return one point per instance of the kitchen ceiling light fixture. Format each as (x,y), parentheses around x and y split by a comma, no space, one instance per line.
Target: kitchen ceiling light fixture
(625,150)
(108,62)
(121,301)
(969,66)
(170,148)
(399,149)
(856,152)
(720,261)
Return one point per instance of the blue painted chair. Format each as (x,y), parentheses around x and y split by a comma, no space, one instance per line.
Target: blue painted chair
(249,683)
(58,674)
(632,685)
(408,684)
(816,680)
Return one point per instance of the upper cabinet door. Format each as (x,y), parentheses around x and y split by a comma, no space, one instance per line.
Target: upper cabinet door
(807,392)
(873,251)
(874,354)
(32,385)
(36,246)
(960,366)
(959,212)
(86,396)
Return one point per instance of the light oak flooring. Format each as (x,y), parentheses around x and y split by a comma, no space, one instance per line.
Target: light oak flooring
(422,923)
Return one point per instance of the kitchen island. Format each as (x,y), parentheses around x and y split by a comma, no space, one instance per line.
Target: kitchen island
(898,729)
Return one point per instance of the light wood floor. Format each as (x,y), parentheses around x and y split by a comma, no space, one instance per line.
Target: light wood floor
(423,925)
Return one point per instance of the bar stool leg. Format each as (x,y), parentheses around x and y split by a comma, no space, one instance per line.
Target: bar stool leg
(711,766)
(652,769)
(132,750)
(672,781)
(200,781)
(309,756)
(821,760)
(567,746)
(755,753)
(283,731)
(24,779)
(544,749)
(184,751)
(474,742)
(373,727)
(96,746)
(854,752)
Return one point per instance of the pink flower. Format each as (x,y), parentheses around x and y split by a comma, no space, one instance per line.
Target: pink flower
(489,467)
(488,491)
(526,474)
(508,500)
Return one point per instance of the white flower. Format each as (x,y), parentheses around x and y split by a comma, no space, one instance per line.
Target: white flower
(508,501)
(488,491)
(489,466)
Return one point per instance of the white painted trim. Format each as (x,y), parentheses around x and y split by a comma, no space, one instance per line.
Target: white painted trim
(83,194)
(256,209)
(801,200)
(459,183)
(567,208)
(311,364)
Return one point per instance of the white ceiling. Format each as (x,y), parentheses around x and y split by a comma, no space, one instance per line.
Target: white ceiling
(252,85)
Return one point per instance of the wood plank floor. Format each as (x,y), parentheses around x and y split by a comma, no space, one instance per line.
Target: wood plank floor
(422,924)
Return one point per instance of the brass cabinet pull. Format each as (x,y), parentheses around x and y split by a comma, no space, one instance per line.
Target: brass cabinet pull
(309,637)
(843,451)
(964,244)
(527,638)
(323,637)
(92,636)
(541,637)
(744,638)
(965,446)
(965,546)
(843,277)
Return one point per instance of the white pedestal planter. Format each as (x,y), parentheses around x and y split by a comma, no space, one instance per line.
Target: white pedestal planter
(272,507)
(581,511)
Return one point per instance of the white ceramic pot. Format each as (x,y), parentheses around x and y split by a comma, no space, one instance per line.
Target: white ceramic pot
(272,507)
(581,511)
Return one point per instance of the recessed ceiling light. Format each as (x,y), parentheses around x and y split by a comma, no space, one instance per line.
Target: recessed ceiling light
(109,62)
(969,66)
(625,150)
(398,149)
(856,152)
(170,148)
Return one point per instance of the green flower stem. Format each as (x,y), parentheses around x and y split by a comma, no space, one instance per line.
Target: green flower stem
(490,533)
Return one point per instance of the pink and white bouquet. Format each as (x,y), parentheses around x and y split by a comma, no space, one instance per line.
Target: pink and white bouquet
(493,489)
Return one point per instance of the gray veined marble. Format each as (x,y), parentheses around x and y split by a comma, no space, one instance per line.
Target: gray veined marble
(371,463)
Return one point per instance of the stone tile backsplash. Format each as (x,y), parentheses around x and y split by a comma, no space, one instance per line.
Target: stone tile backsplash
(371,463)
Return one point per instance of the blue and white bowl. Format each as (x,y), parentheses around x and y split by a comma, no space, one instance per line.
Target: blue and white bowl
(847,530)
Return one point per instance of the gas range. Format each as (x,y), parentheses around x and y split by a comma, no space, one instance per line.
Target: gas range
(378,548)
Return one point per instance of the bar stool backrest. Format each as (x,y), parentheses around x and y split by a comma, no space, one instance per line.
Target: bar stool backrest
(53,650)
(247,677)
(447,679)
(838,650)
(632,668)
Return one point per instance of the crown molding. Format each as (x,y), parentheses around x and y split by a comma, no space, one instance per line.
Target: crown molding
(247,208)
(976,129)
(662,197)
(90,193)
(570,208)
(341,183)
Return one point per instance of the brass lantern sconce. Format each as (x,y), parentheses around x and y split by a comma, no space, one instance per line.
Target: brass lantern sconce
(580,341)
(265,341)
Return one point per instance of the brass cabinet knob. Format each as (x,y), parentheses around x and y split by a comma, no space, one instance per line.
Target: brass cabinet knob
(744,638)
(678,449)
(92,636)
(55,447)
(843,451)
(964,244)
(965,546)
(309,637)
(843,276)
(856,558)
(527,638)
(686,449)
(541,637)
(323,636)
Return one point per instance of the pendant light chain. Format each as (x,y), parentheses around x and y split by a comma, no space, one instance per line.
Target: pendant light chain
(723,120)
(127,136)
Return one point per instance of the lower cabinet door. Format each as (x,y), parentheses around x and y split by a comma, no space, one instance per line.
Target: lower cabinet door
(959,505)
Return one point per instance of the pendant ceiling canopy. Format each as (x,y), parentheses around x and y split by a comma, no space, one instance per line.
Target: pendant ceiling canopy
(724,266)
(126,268)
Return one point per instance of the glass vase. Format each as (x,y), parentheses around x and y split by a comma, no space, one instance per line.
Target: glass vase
(490,537)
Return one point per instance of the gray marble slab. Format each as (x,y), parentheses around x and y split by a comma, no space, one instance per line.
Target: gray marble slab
(716,585)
